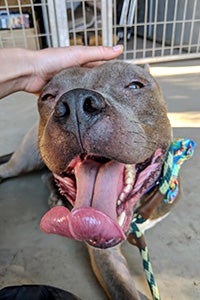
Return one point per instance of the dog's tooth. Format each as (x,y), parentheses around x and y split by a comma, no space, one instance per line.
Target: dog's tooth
(119,202)
(129,174)
(59,203)
(127,188)
(129,180)
(121,218)
(129,167)
(122,196)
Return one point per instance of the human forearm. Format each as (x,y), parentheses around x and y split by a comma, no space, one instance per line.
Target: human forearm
(15,69)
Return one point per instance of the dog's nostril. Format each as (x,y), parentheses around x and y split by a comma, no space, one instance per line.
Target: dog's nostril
(92,105)
(62,110)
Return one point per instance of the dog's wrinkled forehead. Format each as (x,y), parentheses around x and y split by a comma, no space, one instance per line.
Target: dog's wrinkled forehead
(113,74)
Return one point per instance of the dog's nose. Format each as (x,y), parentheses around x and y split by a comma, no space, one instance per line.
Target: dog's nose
(82,106)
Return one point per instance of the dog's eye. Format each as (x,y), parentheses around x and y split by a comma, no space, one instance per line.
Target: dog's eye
(135,85)
(47,97)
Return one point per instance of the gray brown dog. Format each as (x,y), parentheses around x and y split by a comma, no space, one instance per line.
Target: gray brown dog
(104,134)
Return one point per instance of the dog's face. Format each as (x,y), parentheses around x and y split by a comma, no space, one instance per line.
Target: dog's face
(103,133)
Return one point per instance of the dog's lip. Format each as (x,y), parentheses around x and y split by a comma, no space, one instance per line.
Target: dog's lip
(96,210)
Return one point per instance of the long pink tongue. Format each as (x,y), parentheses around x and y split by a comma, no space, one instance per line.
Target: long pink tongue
(83,224)
(94,216)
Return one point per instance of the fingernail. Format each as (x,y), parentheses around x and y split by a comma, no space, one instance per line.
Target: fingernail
(118,48)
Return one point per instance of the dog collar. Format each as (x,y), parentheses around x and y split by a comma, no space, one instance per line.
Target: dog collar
(167,183)
(179,151)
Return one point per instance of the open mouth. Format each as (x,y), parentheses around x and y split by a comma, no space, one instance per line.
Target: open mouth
(103,194)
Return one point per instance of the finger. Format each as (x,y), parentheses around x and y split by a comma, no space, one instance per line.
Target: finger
(94,64)
(81,55)
(88,54)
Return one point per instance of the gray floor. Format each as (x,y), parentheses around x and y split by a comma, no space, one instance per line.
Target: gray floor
(29,256)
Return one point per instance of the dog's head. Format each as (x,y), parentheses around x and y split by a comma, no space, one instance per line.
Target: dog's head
(103,133)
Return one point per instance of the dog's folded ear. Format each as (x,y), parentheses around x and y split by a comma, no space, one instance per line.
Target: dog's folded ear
(146,67)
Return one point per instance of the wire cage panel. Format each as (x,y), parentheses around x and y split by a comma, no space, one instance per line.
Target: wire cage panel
(24,23)
(150,30)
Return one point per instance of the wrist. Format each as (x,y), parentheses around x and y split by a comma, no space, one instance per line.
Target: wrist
(16,68)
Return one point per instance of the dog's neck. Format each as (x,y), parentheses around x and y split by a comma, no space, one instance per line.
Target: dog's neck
(157,201)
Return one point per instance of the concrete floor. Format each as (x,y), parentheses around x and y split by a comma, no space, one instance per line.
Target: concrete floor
(29,256)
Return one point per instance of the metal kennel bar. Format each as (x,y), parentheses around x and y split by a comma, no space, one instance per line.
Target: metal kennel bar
(150,30)
(107,21)
(25,23)
(58,10)
(162,30)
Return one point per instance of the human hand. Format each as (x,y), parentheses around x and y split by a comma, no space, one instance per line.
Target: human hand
(27,70)
(48,62)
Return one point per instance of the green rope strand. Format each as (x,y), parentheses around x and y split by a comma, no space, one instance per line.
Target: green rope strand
(167,172)
(149,273)
(145,258)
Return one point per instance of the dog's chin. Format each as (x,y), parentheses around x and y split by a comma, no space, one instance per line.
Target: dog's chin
(103,194)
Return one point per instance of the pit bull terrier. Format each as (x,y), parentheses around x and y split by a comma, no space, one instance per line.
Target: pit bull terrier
(104,134)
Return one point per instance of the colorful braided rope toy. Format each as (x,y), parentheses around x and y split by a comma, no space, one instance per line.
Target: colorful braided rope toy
(179,151)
